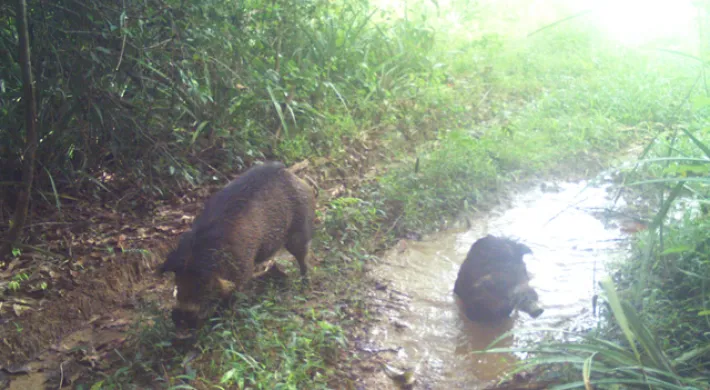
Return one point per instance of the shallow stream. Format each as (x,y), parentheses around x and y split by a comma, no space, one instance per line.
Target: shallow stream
(572,232)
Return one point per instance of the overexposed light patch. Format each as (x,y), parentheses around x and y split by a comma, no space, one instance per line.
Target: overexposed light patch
(631,22)
(636,22)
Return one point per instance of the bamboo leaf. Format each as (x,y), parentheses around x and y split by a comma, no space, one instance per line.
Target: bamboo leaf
(698,143)
(619,314)
(277,106)
(675,192)
(587,372)
(198,130)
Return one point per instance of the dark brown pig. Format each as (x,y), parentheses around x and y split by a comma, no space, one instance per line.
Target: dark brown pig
(244,224)
(493,280)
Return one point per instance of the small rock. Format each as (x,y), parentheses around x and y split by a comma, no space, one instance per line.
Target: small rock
(403,377)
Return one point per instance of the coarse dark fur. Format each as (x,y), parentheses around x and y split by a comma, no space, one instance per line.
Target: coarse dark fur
(493,280)
(246,223)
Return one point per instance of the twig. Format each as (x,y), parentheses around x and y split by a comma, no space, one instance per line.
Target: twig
(61,374)
(405,305)
(123,45)
(123,48)
(213,168)
(299,166)
(553,24)
(34,248)
(569,205)
(378,350)
(399,292)
(483,99)
(161,43)
(5,226)
(376,238)
(390,306)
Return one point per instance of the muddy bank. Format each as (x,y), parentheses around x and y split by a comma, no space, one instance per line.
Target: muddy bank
(87,311)
(573,230)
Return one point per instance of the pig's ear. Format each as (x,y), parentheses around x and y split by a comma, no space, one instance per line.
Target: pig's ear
(177,258)
(171,264)
(524,249)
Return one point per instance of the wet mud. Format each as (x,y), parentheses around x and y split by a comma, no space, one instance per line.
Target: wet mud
(573,231)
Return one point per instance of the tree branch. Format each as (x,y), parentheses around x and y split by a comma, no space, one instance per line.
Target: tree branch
(23,200)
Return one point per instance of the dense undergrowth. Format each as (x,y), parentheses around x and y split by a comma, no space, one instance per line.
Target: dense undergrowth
(163,94)
(159,94)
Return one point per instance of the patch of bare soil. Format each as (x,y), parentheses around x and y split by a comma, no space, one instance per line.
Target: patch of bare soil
(71,315)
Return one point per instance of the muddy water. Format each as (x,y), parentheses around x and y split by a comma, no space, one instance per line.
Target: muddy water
(569,229)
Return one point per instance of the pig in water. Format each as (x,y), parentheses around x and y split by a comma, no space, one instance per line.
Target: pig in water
(493,280)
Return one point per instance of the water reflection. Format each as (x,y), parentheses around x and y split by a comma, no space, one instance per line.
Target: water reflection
(570,243)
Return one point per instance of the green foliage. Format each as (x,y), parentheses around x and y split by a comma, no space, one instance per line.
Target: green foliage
(302,348)
(351,221)
(451,176)
(671,267)
(156,93)
(594,360)
(278,340)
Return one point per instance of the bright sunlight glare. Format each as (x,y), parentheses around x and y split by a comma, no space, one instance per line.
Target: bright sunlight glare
(630,22)
(635,22)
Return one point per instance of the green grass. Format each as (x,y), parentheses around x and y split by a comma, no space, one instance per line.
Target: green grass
(278,339)
(561,102)
(634,360)
(268,346)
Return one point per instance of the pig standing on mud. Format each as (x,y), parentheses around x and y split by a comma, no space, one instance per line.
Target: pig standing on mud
(243,224)
(493,280)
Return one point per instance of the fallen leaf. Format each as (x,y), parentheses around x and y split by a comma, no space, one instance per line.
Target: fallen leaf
(121,322)
(17,369)
(19,309)
(120,241)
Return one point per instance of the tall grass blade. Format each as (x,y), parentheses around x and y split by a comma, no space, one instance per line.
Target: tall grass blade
(675,159)
(646,340)
(587,372)
(681,54)
(57,202)
(697,142)
(704,180)
(555,23)
(279,111)
(661,215)
(619,315)
(198,131)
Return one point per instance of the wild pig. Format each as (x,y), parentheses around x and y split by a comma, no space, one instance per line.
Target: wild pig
(493,280)
(244,224)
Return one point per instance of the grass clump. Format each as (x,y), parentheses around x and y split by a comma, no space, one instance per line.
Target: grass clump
(635,360)
(267,346)
(280,339)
